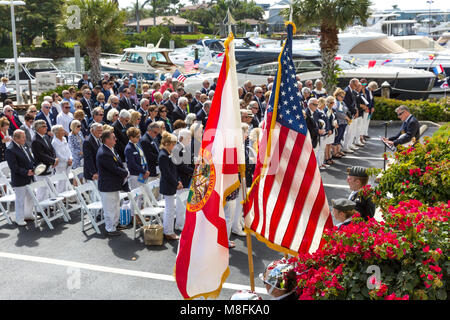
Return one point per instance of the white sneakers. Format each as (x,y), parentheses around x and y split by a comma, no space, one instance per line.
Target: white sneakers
(21,223)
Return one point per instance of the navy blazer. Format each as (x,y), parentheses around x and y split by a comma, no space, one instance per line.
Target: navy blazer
(178,114)
(143,122)
(410,129)
(41,116)
(111,171)
(87,107)
(44,152)
(185,168)
(133,159)
(350,100)
(202,116)
(312,128)
(122,139)
(19,165)
(151,152)
(169,175)
(90,148)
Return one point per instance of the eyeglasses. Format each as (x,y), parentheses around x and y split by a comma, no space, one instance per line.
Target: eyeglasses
(78,126)
(400,114)
(163,111)
(114,103)
(101,114)
(32,111)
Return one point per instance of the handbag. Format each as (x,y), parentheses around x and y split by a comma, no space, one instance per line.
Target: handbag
(153,235)
(125,214)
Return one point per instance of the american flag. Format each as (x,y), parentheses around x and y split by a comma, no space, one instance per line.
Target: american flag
(286,207)
(179,76)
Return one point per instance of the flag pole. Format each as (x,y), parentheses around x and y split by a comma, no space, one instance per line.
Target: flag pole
(249,237)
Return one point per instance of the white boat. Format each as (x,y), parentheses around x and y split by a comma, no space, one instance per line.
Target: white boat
(28,67)
(147,63)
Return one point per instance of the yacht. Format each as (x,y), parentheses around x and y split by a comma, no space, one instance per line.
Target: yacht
(29,67)
(361,47)
(148,63)
(256,64)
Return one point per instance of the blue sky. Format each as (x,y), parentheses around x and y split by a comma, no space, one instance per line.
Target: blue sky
(377,4)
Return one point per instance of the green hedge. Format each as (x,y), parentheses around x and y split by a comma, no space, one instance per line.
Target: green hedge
(430,110)
(59,90)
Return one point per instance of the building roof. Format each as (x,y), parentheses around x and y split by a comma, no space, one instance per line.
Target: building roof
(250,21)
(195,7)
(175,20)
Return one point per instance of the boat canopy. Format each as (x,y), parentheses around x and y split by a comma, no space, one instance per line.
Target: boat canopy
(377,46)
(418,43)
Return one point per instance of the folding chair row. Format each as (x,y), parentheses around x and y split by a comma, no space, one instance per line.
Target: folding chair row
(91,206)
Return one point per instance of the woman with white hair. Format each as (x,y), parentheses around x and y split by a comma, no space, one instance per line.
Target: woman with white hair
(319,90)
(190,119)
(112,115)
(63,153)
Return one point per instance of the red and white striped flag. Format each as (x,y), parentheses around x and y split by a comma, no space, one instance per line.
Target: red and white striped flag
(202,260)
(188,65)
(286,207)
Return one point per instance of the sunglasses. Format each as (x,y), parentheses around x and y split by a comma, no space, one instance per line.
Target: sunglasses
(399,114)
(78,126)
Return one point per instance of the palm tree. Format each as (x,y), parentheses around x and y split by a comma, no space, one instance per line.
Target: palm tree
(101,22)
(330,16)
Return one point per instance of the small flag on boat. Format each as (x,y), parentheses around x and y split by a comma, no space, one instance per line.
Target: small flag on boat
(386,61)
(337,58)
(188,65)
(444,85)
(431,56)
(438,69)
(372,63)
(179,76)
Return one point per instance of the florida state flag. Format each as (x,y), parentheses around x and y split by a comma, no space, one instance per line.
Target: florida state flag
(202,260)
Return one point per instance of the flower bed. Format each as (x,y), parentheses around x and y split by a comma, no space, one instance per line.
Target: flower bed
(403,257)
(410,249)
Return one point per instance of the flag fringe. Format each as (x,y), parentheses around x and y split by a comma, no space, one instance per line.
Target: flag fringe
(229,190)
(213,294)
(270,244)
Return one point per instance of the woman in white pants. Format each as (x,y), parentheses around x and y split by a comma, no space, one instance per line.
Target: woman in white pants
(63,153)
(169,183)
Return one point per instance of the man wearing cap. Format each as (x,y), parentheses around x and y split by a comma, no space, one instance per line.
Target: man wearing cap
(343,210)
(357,179)
(410,131)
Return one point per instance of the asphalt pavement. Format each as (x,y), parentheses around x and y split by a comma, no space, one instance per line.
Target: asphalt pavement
(67,264)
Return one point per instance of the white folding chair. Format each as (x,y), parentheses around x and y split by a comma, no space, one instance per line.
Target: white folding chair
(74,174)
(137,198)
(55,204)
(8,196)
(5,171)
(69,194)
(148,188)
(91,205)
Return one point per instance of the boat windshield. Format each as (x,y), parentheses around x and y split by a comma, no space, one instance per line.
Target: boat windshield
(132,57)
(377,46)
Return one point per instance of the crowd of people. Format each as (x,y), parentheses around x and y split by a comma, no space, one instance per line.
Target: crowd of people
(123,138)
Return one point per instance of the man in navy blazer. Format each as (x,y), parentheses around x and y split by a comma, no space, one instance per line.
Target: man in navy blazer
(45,115)
(21,163)
(202,115)
(112,178)
(410,131)
(90,148)
(151,148)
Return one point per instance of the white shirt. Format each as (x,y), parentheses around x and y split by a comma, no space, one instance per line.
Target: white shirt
(3,88)
(62,151)
(57,105)
(64,120)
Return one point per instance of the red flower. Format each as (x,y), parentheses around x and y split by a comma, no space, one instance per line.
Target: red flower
(426,249)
